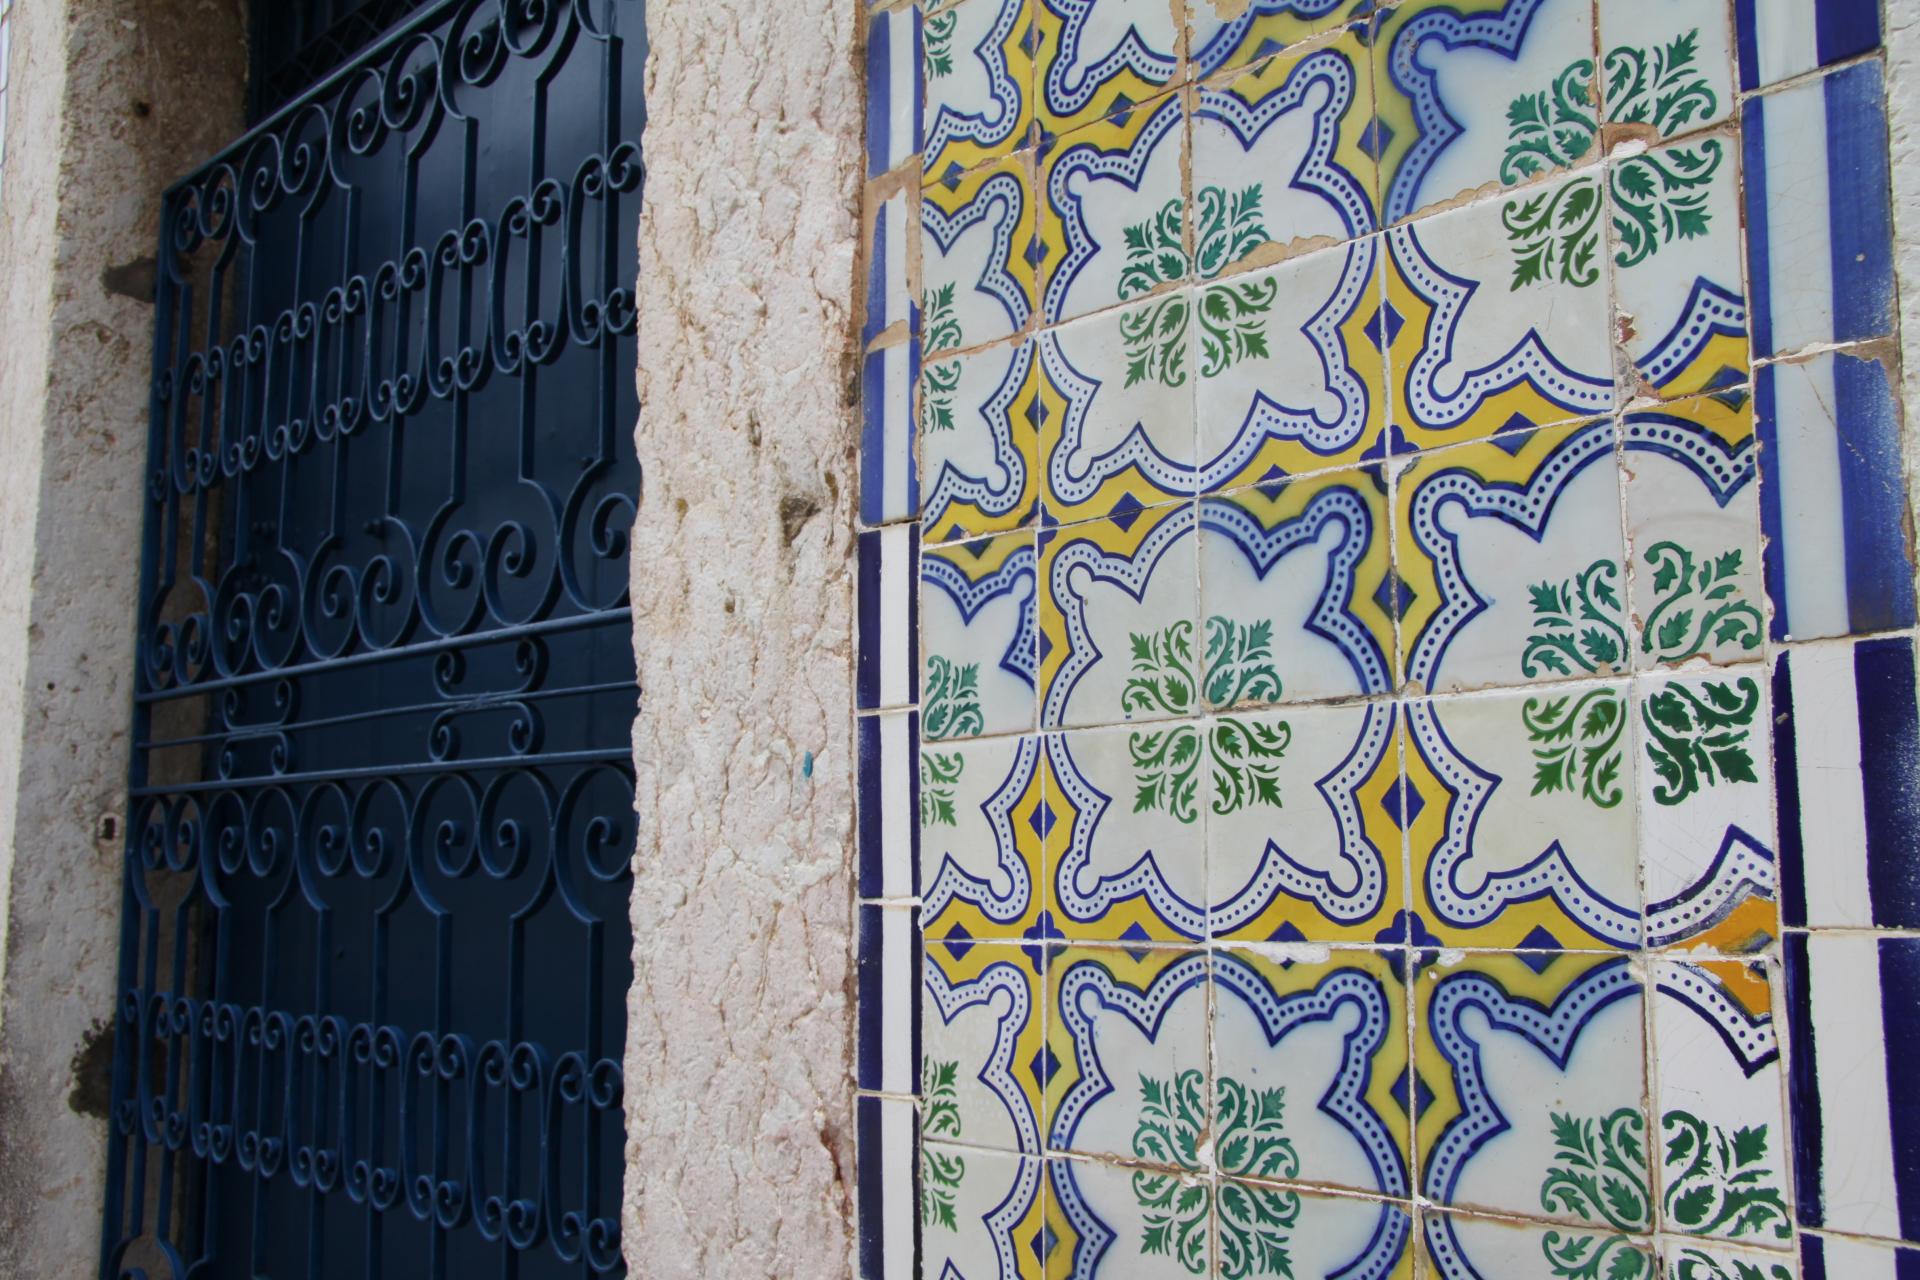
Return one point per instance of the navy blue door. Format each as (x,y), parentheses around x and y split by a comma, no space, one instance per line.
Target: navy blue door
(375,951)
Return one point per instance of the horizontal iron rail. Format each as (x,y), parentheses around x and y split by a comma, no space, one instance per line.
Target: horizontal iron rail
(479,764)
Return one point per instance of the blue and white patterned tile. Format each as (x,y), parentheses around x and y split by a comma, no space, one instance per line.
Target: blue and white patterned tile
(981,1044)
(983,815)
(889,298)
(977,255)
(1846,748)
(983,1214)
(1119,1223)
(1853,1006)
(1113,225)
(1099,58)
(893,89)
(976,74)
(1819,226)
(888,798)
(977,607)
(888,1217)
(979,436)
(1833,502)
(1837,1258)
(886,626)
(1300,126)
(1722,1159)
(887,964)
(1780,39)
(1460,1246)
(1485,91)
(889,485)
(1222,34)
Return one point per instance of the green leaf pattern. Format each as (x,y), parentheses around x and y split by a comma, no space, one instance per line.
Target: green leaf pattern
(950,706)
(1246,753)
(940,1171)
(1719,1183)
(1576,625)
(942,332)
(1697,604)
(939,774)
(938,34)
(1577,744)
(1232,316)
(1697,739)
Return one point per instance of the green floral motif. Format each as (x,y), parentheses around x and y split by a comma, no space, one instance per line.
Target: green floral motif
(940,1172)
(1162,679)
(1230,227)
(1166,765)
(1659,86)
(1697,604)
(1240,662)
(1692,1264)
(1233,323)
(1697,739)
(1246,768)
(938,775)
(1578,742)
(1555,235)
(1155,253)
(938,34)
(942,332)
(1553,128)
(1155,340)
(1598,1173)
(1249,1141)
(1576,624)
(1658,197)
(1719,1183)
(950,707)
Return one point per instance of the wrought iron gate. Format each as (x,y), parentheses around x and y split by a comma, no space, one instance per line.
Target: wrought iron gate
(375,951)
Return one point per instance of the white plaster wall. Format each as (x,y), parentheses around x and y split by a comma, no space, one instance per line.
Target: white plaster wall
(109,100)
(739,1039)
(1903,123)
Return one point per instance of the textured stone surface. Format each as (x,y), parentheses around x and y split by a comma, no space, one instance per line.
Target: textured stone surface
(738,1089)
(1903,124)
(109,100)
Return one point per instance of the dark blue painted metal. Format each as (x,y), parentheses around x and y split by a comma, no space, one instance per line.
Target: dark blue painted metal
(375,951)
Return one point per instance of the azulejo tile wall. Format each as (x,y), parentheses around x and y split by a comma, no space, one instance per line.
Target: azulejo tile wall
(1386,645)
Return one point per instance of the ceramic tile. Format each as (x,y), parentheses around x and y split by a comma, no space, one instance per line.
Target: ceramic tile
(1509,554)
(1699,1260)
(1853,1009)
(893,89)
(1113,225)
(1310,1071)
(1303,118)
(1116,409)
(1125,842)
(981,1214)
(889,796)
(1831,1257)
(1693,529)
(1706,822)
(1780,39)
(1127,1041)
(886,627)
(1819,231)
(976,74)
(1722,1153)
(1118,1223)
(886,1210)
(977,625)
(1117,619)
(1675,240)
(889,481)
(1520,813)
(1458,1246)
(1098,58)
(976,255)
(1846,747)
(982,812)
(887,956)
(1667,66)
(1488,91)
(1497,315)
(1833,505)
(1222,35)
(1268,1231)
(1305,847)
(1536,1070)
(980,1043)
(1292,376)
(979,441)
(889,300)
(1296,591)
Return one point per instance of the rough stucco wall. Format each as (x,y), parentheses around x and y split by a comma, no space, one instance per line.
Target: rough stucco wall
(113,99)
(1903,124)
(739,1036)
